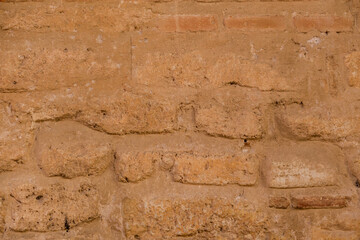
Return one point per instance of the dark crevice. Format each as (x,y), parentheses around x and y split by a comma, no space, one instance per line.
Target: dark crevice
(67,226)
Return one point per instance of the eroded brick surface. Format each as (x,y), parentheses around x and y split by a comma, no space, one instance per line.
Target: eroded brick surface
(295,165)
(179,119)
(136,166)
(195,168)
(308,202)
(203,218)
(15,137)
(70,150)
(51,208)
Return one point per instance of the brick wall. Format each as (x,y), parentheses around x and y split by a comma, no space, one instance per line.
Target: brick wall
(180,119)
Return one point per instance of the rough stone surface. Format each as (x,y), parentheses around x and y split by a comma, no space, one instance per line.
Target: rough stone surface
(180,119)
(352,61)
(295,165)
(307,202)
(15,138)
(228,116)
(196,168)
(41,18)
(332,121)
(135,166)
(54,207)
(202,218)
(195,69)
(70,150)
(279,202)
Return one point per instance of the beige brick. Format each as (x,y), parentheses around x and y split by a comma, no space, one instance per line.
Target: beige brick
(324,234)
(224,114)
(68,17)
(352,61)
(195,69)
(135,166)
(51,208)
(333,120)
(15,137)
(126,112)
(296,165)
(111,110)
(71,150)
(241,169)
(217,218)
(32,63)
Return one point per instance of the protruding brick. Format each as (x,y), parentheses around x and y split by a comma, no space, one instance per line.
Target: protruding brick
(112,110)
(323,23)
(135,166)
(296,165)
(224,114)
(313,202)
(187,23)
(262,23)
(241,169)
(209,218)
(70,150)
(352,61)
(52,208)
(279,202)
(328,121)
(130,113)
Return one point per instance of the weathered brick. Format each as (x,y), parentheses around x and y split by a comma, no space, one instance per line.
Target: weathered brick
(62,60)
(279,202)
(195,69)
(229,116)
(323,23)
(187,23)
(354,166)
(51,208)
(135,166)
(295,165)
(231,69)
(71,150)
(256,23)
(126,16)
(209,218)
(324,234)
(313,202)
(331,121)
(121,113)
(241,169)
(15,137)
(346,220)
(109,110)
(352,61)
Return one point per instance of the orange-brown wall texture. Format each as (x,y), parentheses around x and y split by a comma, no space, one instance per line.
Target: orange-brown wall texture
(180,119)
